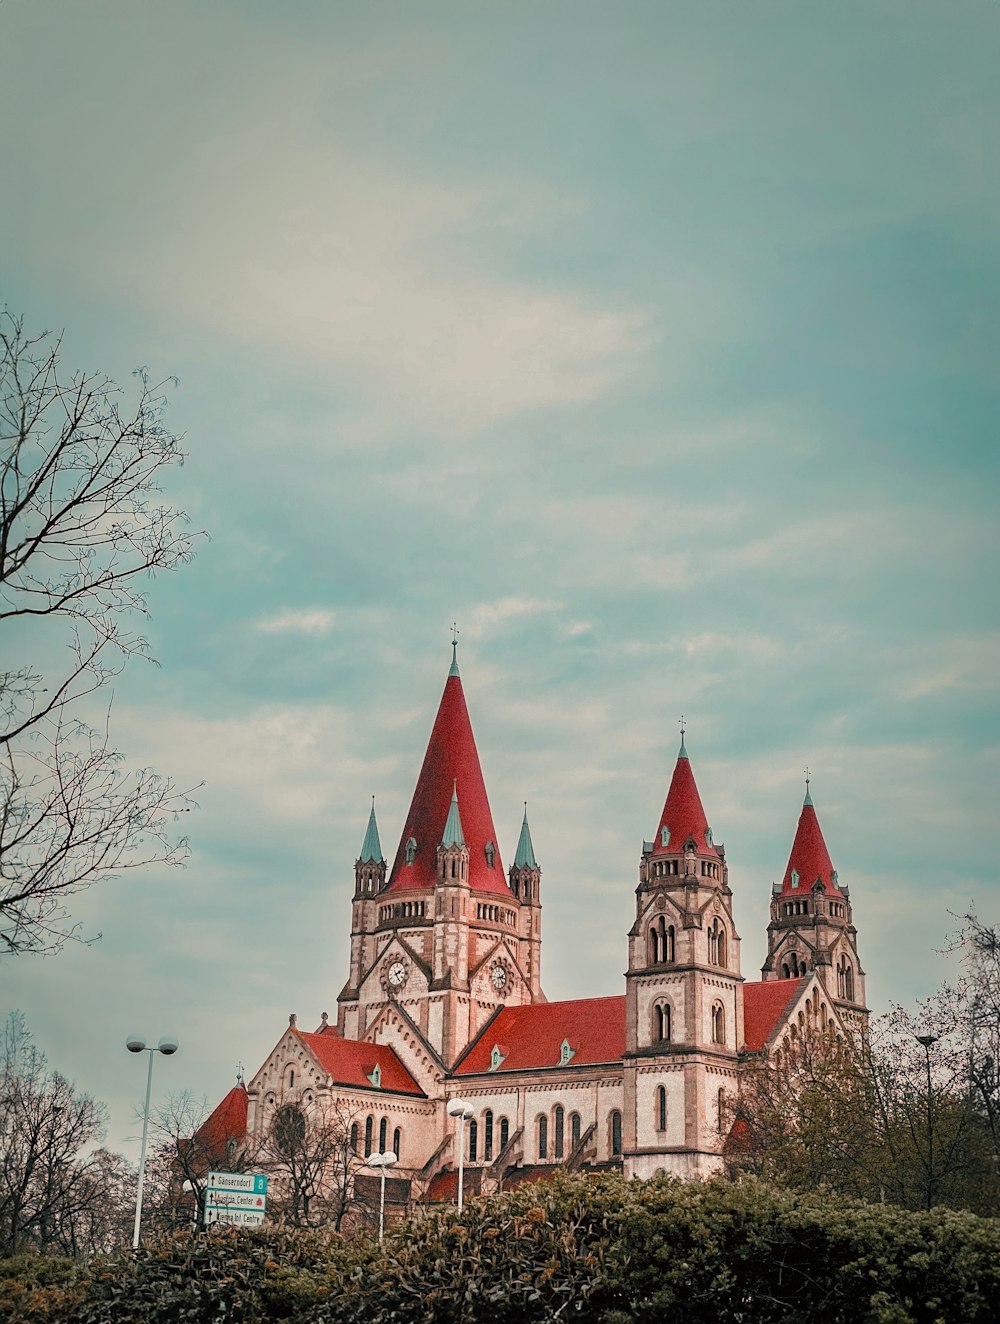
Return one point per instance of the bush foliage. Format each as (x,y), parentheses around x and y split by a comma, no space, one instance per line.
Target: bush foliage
(602,1250)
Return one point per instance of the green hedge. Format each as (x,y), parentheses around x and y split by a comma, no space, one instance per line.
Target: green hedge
(601,1250)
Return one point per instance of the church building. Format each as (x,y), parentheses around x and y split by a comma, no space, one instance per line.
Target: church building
(444,998)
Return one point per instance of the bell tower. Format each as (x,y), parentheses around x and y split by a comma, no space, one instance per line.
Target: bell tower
(525,883)
(684,1010)
(812,923)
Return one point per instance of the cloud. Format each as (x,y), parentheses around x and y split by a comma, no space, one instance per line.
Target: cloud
(486,616)
(302,620)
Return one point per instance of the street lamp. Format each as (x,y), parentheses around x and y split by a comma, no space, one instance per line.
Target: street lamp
(464,1112)
(925,1041)
(382,1161)
(136,1044)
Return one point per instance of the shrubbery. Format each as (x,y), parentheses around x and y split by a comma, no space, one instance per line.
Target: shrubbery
(602,1250)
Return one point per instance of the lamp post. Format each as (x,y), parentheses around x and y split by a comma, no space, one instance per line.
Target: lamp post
(464,1112)
(925,1040)
(136,1044)
(382,1161)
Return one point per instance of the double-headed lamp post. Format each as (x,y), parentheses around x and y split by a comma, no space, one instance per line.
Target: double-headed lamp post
(925,1041)
(136,1044)
(464,1112)
(382,1161)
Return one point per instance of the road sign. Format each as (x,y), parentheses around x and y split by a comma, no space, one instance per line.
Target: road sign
(235,1217)
(237,1181)
(235,1200)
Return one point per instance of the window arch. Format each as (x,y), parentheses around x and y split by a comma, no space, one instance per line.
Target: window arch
(718,1023)
(504,1133)
(654,946)
(383,1134)
(543,1136)
(560,1130)
(661,1108)
(397,1141)
(661,941)
(662,1022)
(574,1130)
(473,1140)
(488,1135)
(616,1133)
(717,946)
(845,979)
(354,1137)
(369,1130)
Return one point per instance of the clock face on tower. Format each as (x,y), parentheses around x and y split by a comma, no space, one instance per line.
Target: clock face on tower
(397,975)
(499,977)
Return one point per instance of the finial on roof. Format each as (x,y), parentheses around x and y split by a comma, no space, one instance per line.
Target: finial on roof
(682,752)
(291,1019)
(239,1073)
(808,799)
(455,632)
(524,856)
(453,835)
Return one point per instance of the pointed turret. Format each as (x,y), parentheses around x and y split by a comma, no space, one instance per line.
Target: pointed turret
(683,818)
(453,835)
(524,856)
(371,848)
(809,861)
(451,758)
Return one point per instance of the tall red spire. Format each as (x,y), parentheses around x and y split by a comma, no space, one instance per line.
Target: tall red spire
(450,764)
(809,858)
(683,816)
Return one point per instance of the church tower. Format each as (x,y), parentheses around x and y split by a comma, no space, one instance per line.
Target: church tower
(525,883)
(812,925)
(684,1012)
(445,939)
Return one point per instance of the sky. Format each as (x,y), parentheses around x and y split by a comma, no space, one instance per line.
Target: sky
(655,344)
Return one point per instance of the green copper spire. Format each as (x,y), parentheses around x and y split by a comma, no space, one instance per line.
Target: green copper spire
(525,855)
(453,835)
(371,850)
(808,800)
(454,651)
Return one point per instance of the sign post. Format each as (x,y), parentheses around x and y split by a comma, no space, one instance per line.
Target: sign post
(237,1198)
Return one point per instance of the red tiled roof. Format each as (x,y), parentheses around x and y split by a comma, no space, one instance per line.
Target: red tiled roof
(451,762)
(227,1122)
(682,814)
(809,856)
(351,1062)
(533,1036)
(764,1002)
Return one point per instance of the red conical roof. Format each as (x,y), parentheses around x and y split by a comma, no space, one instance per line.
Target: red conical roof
(809,857)
(682,813)
(451,763)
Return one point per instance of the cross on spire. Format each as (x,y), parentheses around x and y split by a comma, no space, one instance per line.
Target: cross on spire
(455,632)
(808,799)
(682,752)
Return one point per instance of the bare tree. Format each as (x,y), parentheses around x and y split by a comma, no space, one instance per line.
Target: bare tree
(81,531)
(54,1193)
(313,1158)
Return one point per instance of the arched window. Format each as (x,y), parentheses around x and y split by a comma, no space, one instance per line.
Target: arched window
(574,1130)
(543,1137)
(668,954)
(654,946)
(369,1128)
(722,947)
(383,1134)
(473,1140)
(661,1108)
(397,1141)
(718,1024)
(291,1078)
(488,1135)
(616,1133)
(354,1137)
(504,1133)
(560,1127)
(662,1021)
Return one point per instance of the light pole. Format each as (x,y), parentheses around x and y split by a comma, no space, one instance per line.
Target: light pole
(136,1044)
(464,1112)
(925,1040)
(382,1161)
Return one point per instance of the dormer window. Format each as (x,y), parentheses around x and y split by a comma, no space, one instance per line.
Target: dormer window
(664,835)
(491,852)
(836,882)
(375,1076)
(708,836)
(566,1054)
(795,877)
(496,1058)
(410,849)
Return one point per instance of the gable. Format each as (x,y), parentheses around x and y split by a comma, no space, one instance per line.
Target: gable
(532,1037)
